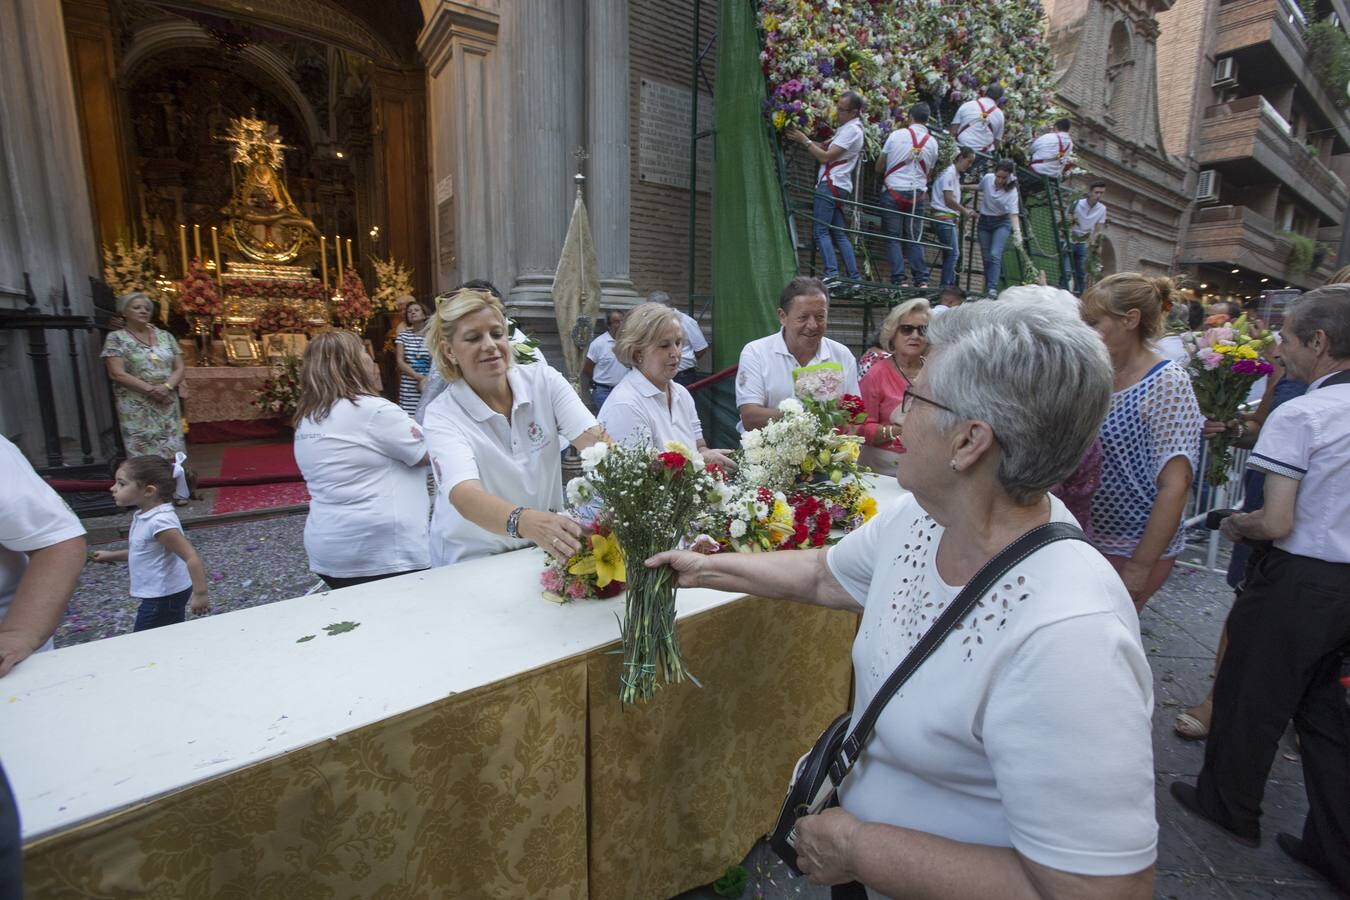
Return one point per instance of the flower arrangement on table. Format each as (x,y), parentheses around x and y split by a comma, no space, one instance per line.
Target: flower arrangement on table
(279,316)
(197,295)
(392,281)
(596,572)
(649,501)
(352,306)
(897,52)
(280,392)
(1224,362)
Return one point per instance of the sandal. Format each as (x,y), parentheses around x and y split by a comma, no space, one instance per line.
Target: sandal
(1190,728)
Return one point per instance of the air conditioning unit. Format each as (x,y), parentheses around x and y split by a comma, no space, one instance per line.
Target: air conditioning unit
(1225,72)
(1207,186)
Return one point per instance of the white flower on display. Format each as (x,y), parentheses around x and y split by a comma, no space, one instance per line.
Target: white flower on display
(579,492)
(592,455)
(791,405)
(737,529)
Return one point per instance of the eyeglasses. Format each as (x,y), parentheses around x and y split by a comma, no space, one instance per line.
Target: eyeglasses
(907,401)
(907,330)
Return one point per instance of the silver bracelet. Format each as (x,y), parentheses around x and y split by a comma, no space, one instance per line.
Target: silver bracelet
(513,522)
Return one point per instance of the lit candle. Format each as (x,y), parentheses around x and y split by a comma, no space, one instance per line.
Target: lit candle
(323,261)
(337,248)
(182,247)
(197,242)
(349,253)
(215,252)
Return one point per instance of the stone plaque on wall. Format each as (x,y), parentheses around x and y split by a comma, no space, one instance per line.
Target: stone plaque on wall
(663,135)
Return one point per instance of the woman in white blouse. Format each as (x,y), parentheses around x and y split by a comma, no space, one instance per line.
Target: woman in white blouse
(648,407)
(494,436)
(998,203)
(362,459)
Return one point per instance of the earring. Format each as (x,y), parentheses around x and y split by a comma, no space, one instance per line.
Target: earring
(953,463)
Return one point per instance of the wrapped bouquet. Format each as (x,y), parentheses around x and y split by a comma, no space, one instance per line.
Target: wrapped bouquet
(1224,362)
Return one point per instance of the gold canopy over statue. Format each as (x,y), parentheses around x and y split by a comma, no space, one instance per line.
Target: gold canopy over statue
(261,218)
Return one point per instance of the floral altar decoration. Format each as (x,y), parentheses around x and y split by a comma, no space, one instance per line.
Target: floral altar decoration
(274,289)
(1224,362)
(129,266)
(280,316)
(392,281)
(280,393)
(897,52)
(197,294)
(351,305)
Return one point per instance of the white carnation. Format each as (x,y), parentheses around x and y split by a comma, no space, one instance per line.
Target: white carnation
(791,405)
(592,455)
(737,529)
(578,492)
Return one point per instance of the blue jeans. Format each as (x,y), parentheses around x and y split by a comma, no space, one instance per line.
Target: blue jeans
(156,612)
(827,215)
(949,236)
(1079,251)
(993,233)
(905,229)
(599,394)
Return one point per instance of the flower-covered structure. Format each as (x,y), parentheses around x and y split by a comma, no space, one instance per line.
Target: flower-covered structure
(898,52)
(197,295)
(352,307)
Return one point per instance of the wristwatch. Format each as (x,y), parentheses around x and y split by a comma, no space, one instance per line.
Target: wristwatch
(513,522)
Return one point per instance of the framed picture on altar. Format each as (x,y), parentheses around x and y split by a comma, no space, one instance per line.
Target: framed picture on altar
(240,347)
(278,346)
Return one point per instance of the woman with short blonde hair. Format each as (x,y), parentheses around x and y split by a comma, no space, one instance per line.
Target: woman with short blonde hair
(648,407)
(904,336)
(362,459)
(495,435)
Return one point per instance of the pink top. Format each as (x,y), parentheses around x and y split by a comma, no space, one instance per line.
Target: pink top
(883,387)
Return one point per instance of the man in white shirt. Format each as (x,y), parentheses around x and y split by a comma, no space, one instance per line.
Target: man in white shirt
(695,344)
(838,157)
(1289,631)
(1052,152)
(978,123)
(764,378)
(1089,221)
(602,369)
(906,163)
(947,213)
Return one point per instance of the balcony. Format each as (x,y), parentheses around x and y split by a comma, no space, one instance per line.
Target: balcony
(1240,236)
(1265,36)
(1249,141)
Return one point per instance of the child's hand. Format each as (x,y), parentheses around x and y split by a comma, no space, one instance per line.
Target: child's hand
(198,605)
(101,556)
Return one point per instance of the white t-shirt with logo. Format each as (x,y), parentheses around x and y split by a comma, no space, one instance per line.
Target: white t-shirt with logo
(1029,726)
(1086,218)
(978,124)
(850,137)
(608,370)
(516,460)
(32,516)
(764,376)
(368,495)
(948,181)
(908,164)
(638,414)
(155,570)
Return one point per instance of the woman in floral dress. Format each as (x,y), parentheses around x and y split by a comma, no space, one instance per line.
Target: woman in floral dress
(146,367)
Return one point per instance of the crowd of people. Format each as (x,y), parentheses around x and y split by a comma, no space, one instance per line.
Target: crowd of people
(984,774)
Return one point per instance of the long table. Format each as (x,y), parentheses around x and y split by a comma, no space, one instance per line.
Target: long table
(463,740)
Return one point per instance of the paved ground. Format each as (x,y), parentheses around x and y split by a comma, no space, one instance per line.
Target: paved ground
(262,561)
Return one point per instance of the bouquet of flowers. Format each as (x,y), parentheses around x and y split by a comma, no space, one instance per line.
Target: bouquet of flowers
(279,316)
(268,289)
(280,392)
(197,292)
(1224,363)
(352,305)
(129,266)
(650,499)
(597,572)
(391,282)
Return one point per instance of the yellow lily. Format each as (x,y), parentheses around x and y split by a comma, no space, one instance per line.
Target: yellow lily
(605,561)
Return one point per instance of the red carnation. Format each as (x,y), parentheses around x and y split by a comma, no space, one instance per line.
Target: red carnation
(672,460)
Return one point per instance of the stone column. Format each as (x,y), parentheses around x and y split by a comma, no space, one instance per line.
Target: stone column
(46,227)
(540,183)
(607,102)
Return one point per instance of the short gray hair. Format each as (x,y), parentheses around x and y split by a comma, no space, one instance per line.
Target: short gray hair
(1326,309)
(892,322)
(130,297)
(641,328)
(1031,368)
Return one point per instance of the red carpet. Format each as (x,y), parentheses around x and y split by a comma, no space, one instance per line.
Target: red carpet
(264,459)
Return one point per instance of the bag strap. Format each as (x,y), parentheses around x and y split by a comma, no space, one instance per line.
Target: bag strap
(984,581)
(1341,377)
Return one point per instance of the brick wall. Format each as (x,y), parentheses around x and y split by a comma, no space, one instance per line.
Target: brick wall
(1183,56)
(661,42)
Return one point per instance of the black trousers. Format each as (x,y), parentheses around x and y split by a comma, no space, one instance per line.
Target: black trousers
(11,845)
(336,581)
(1287,635)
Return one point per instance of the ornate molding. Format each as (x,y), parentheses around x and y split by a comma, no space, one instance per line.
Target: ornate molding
(451,23)
(315,19)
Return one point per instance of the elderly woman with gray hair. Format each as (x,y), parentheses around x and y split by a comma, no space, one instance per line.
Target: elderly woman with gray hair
(1017,760)
(145,366)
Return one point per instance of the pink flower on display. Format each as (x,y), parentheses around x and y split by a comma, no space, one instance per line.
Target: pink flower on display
(551,580)
(1210,360)
(577,590)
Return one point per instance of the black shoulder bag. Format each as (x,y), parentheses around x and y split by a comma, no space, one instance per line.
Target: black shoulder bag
(819,773)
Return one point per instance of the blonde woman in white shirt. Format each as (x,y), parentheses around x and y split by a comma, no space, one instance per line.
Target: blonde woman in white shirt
(997,204)
(495,435)
(362,458)
(648,407)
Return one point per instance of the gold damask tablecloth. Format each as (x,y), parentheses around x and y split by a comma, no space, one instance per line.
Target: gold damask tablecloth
(223,393)
(540,785)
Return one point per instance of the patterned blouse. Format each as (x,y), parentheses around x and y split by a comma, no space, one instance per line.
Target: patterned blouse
(148,428)
(1148,424)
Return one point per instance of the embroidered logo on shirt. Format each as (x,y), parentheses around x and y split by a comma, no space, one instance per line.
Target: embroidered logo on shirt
(535,434)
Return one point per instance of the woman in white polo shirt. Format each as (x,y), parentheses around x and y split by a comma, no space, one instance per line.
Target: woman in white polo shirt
(494,436)
(648,407)
(362,458)
(998,202)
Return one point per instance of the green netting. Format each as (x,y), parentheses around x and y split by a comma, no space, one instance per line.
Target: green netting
(752,256)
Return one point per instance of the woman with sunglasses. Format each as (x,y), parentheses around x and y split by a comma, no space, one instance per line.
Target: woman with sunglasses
(905,335)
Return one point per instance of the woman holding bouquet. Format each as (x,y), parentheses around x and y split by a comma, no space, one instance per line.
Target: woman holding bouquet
(648,407)
(145,366)
(1150,438)
(904,334)
(990,773)
(494,436)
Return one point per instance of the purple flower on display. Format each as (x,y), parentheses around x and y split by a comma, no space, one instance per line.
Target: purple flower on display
(1252,367)
(826,67)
